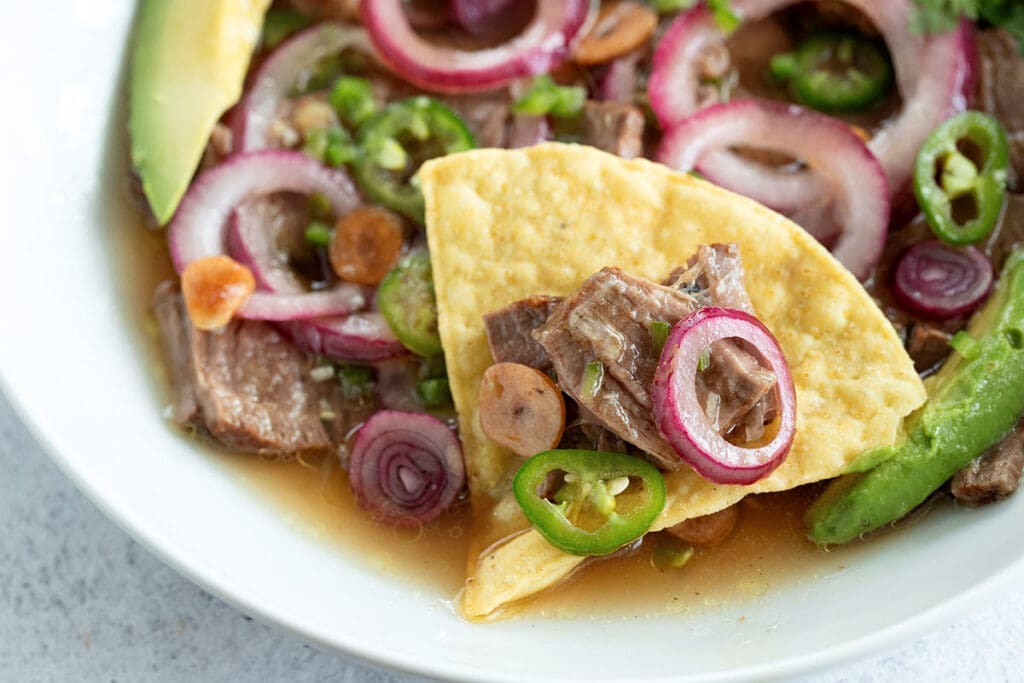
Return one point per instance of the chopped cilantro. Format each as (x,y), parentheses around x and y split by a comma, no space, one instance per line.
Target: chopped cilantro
(936,16)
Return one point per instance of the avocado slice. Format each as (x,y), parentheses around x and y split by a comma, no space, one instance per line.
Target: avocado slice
(189,59)
(972,403)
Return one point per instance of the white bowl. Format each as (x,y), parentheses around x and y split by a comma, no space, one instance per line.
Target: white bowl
(72,366)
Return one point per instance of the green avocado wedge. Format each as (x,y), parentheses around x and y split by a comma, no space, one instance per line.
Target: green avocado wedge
(972,403)
(189,59)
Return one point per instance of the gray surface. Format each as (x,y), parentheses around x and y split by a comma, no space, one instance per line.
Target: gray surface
(80,600)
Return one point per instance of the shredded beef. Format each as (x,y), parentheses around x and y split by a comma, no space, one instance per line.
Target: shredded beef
(928,346)
(714,275)
(245,385)
(488,115)
(1001,90)
(510,331)
(994,474)
(609,321)
(614,127)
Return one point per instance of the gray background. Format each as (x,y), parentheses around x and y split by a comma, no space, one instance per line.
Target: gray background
(80,600)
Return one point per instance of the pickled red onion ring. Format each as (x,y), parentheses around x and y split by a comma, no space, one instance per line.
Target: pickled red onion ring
(828,147)
(545,42)
(200,226)
(935,75)
(406,468)
(941,282)
(680,416)
(277,77)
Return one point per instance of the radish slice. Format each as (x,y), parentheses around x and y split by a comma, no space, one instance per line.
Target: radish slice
(942,282)
(199,228)
(680,416)
(279,74)
(935,75)
(406,468)
(542,45)
(826,145)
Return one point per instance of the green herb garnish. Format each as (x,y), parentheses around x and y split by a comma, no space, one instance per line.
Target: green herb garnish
(659,333)
(547,97)
(318,234)
(938,16)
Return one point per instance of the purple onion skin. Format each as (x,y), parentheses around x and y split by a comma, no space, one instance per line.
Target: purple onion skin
(940,282)
(405,468)
(428,15)
(484,17)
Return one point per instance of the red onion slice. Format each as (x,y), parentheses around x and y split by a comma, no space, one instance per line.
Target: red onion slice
(675,69)
(199,228)
(942,282)
(826,145)
(427,15)
(620,80)
(279,74)
(356,337)
(543,44)
(943,88)
(680,416)
(934,73)
(406,468)
(483,17)
(251,244)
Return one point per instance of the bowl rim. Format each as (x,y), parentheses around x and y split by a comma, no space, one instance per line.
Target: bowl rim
(47,431)
(872,643)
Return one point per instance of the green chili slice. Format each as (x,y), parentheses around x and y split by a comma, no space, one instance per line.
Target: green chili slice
(547,97)
(433,392)
(836,72)
(281,23)
(356,381)
(602,500)
(406,300)
(659,332)
(394,142)
(960,177)
(319,234)
(593,378)
(332,146)
(352,98)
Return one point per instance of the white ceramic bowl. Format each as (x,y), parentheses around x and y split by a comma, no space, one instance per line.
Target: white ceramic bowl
(71,364)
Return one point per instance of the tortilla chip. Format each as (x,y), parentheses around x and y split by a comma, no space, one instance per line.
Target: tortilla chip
(503,225)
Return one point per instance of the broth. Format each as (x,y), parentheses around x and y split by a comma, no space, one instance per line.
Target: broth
(767,549)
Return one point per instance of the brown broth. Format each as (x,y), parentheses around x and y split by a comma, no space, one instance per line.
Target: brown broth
(767,549)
